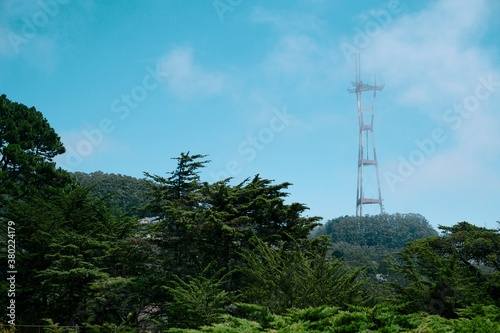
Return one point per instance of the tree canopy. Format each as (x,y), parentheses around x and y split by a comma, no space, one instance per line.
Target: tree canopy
(219,219)
(449,272)
(28,145)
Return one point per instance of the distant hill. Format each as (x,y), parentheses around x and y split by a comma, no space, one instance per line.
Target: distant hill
(366,241)
(388,230)
(126,193)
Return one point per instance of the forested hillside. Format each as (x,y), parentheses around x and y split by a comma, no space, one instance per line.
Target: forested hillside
(371,242)
(368,240)
(223,257)
(126,193)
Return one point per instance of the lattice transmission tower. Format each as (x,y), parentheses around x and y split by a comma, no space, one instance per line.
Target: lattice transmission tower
(367,156)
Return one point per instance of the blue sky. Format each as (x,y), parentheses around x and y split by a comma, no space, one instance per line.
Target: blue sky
(261,87)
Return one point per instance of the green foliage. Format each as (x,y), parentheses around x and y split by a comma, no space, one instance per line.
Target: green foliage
(67,242)
(286,277)
(198,301)
(370,242)
(112,300)
(8,329)
(252,312)
(127,194)
(52,327)
(230,325)
(217,220)
(27,146)
(176,200)
(452,271)
(393,231)
(382,319)
(486,311)
(180,190)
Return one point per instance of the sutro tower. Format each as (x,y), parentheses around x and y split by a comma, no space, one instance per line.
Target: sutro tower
(367,157)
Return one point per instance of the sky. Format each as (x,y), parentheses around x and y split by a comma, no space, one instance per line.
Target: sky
(261,88)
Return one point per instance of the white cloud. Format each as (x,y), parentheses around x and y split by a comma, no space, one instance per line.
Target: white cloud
(433,61)
(297,51)
(436,48)
(186,78)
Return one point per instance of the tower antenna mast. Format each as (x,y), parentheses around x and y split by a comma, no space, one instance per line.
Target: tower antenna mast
(367,156)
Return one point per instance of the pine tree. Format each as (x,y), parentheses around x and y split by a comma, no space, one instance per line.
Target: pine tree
(28,145)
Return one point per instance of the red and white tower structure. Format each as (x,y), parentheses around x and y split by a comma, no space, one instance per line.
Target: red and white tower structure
(367,156)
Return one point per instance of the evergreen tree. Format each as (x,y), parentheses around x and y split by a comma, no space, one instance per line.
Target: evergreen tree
(28,145)
(455,270)
(180,189)
(198,301)
(66,243)
(287,277)
(217,220)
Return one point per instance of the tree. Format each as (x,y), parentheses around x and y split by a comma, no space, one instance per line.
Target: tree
(65,244)
(28,145)
(199,301)
(252,208)
(452,271)
(178,204)
(180,189)
(370,242)
(283,278)
(217,220)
